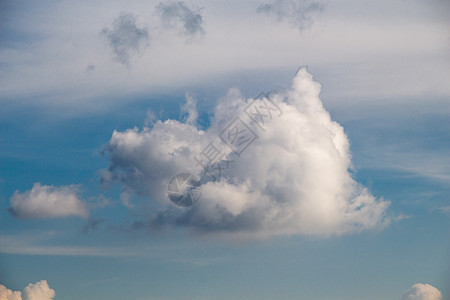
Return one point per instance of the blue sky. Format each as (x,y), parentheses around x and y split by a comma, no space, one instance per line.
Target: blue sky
(344,196)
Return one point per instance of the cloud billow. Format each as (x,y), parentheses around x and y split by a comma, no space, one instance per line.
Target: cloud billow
(421,291)
(176,14)
(298,13)
(126,37)
(293,179)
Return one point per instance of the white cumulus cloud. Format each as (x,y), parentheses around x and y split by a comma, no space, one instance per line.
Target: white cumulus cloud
(420,291)
(38,291)
(47,201)
(34,291)
(294,178)
(7,294)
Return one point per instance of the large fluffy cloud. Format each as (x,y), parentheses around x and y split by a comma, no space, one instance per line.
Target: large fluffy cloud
(420,291)
(293,178)
(47,201)
(34,291)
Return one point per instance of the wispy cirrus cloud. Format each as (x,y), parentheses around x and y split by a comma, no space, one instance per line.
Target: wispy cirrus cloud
(298,13)
(126,37)
(445,209)
(188,21)
(92,224)
(43,244)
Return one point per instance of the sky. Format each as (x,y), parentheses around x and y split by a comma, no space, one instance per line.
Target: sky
(315,136)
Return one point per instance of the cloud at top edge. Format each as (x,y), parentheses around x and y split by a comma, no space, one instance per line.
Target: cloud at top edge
(293,178)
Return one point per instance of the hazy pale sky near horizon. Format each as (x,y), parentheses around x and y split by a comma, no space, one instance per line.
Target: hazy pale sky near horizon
(342,193)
